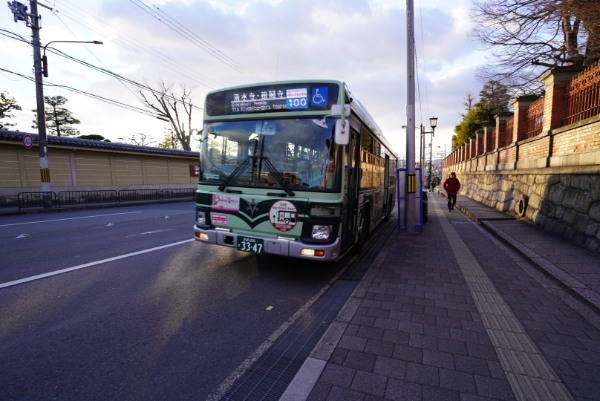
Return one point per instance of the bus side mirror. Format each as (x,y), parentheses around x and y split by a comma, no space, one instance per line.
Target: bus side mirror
(342,132)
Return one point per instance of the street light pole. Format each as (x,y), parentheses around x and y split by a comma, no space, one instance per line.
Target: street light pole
(45,60)
(432,124)
(40,66)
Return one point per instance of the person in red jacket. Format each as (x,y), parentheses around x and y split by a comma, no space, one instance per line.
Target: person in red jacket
(452,186)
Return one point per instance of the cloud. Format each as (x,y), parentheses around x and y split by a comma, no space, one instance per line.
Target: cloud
(208,44)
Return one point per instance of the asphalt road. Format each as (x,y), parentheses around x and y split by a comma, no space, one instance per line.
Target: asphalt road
(122,304)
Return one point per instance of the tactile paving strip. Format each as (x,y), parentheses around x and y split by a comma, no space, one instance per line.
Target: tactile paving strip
(530,375)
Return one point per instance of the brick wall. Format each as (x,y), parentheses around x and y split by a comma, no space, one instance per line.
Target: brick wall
(555,171)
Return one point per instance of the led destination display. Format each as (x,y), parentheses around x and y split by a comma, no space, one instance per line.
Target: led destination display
(273,98)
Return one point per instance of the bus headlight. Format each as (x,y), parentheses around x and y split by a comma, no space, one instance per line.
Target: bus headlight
(200,217)
(321,232)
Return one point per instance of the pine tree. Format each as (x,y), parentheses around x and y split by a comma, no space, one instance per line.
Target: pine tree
(58,118)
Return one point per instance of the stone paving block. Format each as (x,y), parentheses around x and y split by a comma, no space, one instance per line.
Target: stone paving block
(360,361)
(448,322)
(436,331)
(337,375)
(373,333)
(396,337)
(390,367)
(398,390)
(407,353)
(379,348)
(423,318)
(363,320)
(369,383)
(378,312)
(338,356)
(422,341)
(319,392)
(471,365)
(410,327)
(422,374)
(438,358)
(352,343)
(435,311)
(458,381)
(493,388)
(452,346)
(344,394)
(496,370)
(559,351)
(464,335)
(385,323)
(584,370)
(582,389)
(439,394)
(482,351)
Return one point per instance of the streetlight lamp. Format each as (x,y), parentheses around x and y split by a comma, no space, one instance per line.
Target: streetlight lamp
(41,68)
(432,124)
(45,59)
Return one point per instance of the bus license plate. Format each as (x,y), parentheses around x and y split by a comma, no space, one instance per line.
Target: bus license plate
(252,245)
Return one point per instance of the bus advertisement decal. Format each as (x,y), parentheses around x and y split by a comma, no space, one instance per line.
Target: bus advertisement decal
(229,203)
(283,215)
(219,219)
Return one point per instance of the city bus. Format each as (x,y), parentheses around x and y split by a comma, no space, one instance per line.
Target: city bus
(292,168)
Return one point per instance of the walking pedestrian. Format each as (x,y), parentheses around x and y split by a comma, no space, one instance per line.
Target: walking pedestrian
(452,186)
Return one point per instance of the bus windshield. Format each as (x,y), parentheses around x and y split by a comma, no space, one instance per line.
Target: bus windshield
(296,153)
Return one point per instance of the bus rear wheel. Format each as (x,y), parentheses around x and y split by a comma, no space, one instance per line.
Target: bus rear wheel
(363,233)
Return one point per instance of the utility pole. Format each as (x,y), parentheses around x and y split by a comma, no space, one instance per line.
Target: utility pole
(39,94)
(32,20)
(411,182)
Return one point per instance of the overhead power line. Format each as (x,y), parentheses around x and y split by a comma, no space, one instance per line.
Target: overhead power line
(91,95)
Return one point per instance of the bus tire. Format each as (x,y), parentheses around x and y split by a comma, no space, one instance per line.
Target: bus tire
(388,210)
(363,233)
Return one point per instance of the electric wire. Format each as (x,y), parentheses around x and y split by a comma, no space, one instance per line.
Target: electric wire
(88,94)
(105,71)
(102,28)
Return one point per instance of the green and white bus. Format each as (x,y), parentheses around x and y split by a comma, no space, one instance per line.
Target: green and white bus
(292,168)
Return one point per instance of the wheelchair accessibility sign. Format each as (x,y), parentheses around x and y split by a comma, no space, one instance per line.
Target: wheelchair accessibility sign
(318,96)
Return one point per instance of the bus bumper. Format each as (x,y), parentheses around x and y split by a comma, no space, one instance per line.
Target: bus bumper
(275,246)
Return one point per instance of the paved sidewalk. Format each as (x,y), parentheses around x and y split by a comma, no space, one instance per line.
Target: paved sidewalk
(448,315)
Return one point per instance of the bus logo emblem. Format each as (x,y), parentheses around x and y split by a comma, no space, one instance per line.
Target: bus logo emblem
(252,207)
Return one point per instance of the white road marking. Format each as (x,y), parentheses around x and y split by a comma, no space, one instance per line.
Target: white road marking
(65,219)
(90,264)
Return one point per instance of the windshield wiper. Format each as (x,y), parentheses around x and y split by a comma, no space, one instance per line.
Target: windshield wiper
(278,176)
(239,170)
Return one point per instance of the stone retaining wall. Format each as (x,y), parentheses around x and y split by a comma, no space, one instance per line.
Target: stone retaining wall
(565,201)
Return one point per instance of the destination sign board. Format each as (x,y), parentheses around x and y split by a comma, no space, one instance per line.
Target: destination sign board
(273,98)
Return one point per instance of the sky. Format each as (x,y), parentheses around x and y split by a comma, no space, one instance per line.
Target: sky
(204,45)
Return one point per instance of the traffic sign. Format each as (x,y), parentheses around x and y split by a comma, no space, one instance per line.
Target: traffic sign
(27,141)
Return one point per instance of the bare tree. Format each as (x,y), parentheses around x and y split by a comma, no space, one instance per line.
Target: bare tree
(175,109)
(139,139)
(527,36)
